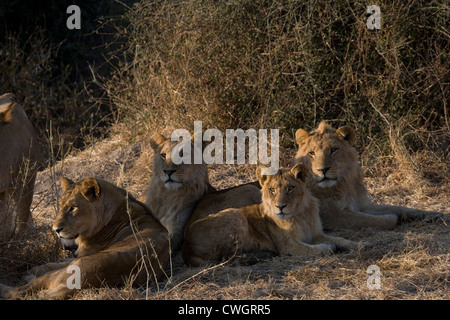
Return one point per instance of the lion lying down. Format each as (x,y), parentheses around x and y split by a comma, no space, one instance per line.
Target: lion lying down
(118,241)
(337,180)
(287,222)
(180,194)
(174,189)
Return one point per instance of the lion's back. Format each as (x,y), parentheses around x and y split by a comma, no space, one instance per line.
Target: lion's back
(17,140)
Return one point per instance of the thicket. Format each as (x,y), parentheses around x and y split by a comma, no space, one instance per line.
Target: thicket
(289,64)
(50,68)
(243,63)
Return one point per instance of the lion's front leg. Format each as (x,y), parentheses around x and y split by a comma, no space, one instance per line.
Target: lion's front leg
(301,248)
(23,199)
(6,216)
(53,284)
(48,267)
(340,243)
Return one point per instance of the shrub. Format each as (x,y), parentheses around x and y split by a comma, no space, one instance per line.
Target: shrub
(287,64)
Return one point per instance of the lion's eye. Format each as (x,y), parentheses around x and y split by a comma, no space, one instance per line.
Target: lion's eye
(163,156)
(312,154)
(271,190)
(291,188)
(71,209)
(333,150)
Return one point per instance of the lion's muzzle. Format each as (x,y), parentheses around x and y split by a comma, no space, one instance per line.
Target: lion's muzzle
(64,234)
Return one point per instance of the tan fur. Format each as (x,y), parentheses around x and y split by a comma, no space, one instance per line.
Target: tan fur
(19,154)
(286,222)
(173,202)
(117,238)
(234,197)
(344,200)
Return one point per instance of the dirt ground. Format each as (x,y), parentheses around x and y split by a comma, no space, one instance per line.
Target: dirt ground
(413,259)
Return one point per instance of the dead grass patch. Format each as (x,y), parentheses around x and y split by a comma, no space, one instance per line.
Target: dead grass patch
(413,258)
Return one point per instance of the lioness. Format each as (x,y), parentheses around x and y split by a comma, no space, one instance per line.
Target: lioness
(117,238)
(287,222)
(174,189)
(19,153)
(337,180)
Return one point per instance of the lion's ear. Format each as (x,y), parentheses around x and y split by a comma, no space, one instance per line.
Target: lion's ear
(66,183)
(346,133)
(157,140)
(90,189)
(300,171)
(6,112)
(300,136)
(261,174)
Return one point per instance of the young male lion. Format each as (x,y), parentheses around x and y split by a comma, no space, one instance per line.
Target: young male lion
(19,154)
(337,180)
(118,240)
(174,189)
(287,222)
(180,194)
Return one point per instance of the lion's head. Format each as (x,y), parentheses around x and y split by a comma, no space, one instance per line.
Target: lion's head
(284,194)
(173,175)
(330,152)
(81,210)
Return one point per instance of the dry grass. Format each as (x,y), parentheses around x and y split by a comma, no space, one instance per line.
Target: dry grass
(260,64)
(413,258)
(285,65)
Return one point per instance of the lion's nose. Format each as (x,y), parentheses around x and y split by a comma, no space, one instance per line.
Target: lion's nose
(324,169)
(169,172)
(281,206)
(57,229)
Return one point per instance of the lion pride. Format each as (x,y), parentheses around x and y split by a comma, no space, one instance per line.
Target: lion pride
(118,239)
(287,222)
(19,154)
(337,180)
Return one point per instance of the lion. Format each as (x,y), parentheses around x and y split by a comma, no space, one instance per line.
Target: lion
(174,189)
(118,240)
(286,222)
(337,180)
(234,197)
(179,194)
(19,155)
